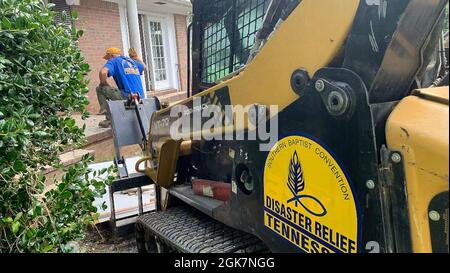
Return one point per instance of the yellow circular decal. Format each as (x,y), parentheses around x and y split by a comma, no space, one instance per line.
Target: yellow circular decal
(308,199)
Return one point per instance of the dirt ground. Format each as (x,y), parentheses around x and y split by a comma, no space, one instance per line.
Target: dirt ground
(104,241)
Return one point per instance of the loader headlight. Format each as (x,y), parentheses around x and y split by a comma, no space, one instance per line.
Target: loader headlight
(244,178)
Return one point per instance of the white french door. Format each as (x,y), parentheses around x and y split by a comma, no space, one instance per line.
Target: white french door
(160,52)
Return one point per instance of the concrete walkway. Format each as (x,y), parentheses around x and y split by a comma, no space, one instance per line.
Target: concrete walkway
(93,131)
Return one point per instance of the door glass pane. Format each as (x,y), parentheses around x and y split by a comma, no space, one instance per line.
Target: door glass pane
(159,62)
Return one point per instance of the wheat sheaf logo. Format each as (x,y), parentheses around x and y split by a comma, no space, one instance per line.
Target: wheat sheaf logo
(296,184)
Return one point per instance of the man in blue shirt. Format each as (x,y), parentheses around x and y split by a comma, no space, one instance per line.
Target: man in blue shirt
(126,72)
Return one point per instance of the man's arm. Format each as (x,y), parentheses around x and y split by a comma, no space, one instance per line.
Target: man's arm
(104,76)
(133,55)
(139,60)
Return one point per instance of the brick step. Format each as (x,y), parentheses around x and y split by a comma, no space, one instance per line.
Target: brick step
(67,159)
(169,97)
(70,158)
(93,132)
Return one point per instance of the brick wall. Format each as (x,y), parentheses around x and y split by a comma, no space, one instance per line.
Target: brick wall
(181,35)
(100,21)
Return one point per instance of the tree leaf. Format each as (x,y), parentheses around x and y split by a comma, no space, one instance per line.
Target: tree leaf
(15,227)
(74,14)
(6,24)
(69,122)
(47,248)
(7,219)
(85,66)
(19,166)
(41,134)
(18,216)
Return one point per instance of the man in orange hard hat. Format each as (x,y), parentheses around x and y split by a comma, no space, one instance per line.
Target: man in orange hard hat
(126,72)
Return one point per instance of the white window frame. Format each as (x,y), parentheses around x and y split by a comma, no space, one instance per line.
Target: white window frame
(171,45)
(167,47)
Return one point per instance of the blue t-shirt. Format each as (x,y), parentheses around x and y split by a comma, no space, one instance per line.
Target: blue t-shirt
(127,75)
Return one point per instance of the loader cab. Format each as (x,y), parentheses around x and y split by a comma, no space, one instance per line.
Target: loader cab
(227,34)
(224,32)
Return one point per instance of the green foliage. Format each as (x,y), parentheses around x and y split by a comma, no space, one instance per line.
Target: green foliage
(42,83)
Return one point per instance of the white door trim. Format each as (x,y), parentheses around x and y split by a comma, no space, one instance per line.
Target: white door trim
(182,7)
(171,45)
(124,28)
(166,83)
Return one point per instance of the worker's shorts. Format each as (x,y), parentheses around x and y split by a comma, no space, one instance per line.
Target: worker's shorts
(106,93)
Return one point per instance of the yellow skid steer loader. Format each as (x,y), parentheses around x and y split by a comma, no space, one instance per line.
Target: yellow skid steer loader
(344,141)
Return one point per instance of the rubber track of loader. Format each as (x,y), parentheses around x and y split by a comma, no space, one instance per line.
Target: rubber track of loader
(190,231)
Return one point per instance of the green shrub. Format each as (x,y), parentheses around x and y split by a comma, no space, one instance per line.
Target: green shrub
(42,83)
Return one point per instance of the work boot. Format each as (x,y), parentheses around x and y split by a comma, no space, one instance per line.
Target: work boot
(102,112)
(105,124)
